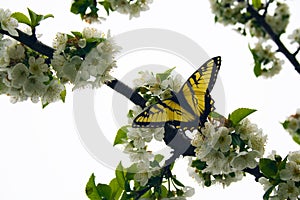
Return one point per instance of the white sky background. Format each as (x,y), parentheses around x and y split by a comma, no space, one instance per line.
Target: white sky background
(40,151)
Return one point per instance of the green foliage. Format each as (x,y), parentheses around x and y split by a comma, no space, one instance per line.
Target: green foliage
(81,6)
(216,116)
(268,167)
(120,175)
(163,76)
(268,192)
(271,170)
(237,141)
(121,135)
(116,190)
(44,105)
(21,18)
(107,6)
(63,95)
(256,4)
(239,114)
(198,164)
(257,63)
(99,192)
(285,124)
(296,138)
(34,19)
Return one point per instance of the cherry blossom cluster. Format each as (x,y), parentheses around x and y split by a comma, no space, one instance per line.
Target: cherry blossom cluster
(222,153)
(82,59)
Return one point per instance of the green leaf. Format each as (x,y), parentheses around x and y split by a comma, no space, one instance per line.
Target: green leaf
(257,68)
(268,192)
(296,138)
(198,164)
(21,18)
(131,171)
(239,114)
(33,17)
(130,114)
(48,16)
(158,158)
(36,18)
(77,34)
(91,189)
(121,136)
(116,190)
(120,175)
(147,195)
(163,76)
(163,191)
(177,182)
(63,95)
(268,167)
(79,6)
(285,124)
(45,104)
(106,5)
(217,116)
(125,196)
(104,191)
(237,141)
(256,4)
(282,164)
(257,63)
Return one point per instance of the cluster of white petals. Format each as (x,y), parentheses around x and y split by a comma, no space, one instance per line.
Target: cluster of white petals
(91,69)
(288,186)
(132,8)
(224,157)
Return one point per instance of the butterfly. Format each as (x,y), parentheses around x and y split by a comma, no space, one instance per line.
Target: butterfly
(189,108)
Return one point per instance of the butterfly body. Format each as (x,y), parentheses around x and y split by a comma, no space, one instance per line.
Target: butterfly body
(187,109)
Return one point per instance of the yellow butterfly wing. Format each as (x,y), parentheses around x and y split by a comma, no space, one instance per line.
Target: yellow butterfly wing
(165,111)
(188,108)
(196,91)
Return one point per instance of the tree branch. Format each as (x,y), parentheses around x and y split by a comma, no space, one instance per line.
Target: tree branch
(255,172)
(32,42)
(261,20)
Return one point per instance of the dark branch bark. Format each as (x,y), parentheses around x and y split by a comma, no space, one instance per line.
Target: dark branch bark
(255,172)
(32,42)
(261,20)
(127,92)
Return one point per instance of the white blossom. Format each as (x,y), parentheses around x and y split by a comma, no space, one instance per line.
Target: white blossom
(88,33)
(133,8)
(18,75)
(59,43)
(70,68)
(295,36)
(224,140)
(37,66)
(16,52)
(53,92)
(280,19)
(265,182)
(8,23)
(288,190)
(245,160)
(34,85)
(97,64)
